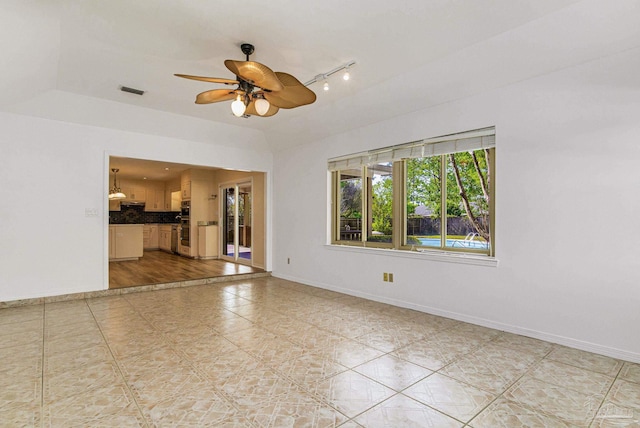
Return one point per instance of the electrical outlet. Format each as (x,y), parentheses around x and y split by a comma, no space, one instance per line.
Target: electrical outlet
(390,277)
(385,277)
(91,212)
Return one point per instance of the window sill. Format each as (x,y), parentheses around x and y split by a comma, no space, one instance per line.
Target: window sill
(433,255)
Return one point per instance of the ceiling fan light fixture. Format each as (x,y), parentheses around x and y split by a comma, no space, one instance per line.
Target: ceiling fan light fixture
(238,107)
(260,91)
(262,106)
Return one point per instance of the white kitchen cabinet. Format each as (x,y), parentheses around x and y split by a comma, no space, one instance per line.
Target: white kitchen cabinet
(176,199)
(134,193)
(185,185)
(154,200)
(150,239)
(208,242)
(164,238)
(172,194)
(184,250)
(200,191)
(112,242)
(125,241)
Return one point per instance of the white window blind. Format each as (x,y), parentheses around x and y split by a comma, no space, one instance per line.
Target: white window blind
(462,142)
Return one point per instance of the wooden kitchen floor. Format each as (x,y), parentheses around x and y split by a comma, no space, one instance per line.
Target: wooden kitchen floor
(157,267)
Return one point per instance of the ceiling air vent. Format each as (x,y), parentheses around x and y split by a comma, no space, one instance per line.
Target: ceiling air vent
(131,90)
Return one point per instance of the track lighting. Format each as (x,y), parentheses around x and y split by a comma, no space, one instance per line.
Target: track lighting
(324,76)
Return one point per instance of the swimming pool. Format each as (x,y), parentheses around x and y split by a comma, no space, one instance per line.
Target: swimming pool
(455,243)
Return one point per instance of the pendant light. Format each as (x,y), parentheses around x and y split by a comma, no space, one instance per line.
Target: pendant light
(115,192)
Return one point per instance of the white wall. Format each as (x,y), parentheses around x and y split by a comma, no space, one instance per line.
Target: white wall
(568,148)
(52,171)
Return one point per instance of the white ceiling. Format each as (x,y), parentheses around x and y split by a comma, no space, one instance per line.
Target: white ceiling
(410,54)
(142,169)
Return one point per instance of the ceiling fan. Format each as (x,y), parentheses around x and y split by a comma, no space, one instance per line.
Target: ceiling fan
(260,90)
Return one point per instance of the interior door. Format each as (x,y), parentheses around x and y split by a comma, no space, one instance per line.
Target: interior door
(236,222)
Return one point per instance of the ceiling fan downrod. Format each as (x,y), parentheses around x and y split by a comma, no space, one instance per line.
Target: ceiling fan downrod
(247,49)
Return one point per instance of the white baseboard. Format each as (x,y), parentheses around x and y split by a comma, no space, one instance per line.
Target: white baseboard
(608,351)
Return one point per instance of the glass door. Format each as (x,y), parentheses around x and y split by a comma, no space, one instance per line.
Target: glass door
(228,222)
(236,222)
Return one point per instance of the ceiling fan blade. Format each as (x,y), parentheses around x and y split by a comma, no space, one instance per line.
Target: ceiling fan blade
(251,110)
(215,95)
(294,94)
(255,73)
(209,79)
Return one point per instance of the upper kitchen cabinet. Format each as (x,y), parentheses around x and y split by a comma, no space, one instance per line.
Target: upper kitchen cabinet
(154,200)
(136,192)
(172,195)
(149,192)
(185,184)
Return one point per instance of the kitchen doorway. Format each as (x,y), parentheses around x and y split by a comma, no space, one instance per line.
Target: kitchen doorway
(151,187)
(237,222)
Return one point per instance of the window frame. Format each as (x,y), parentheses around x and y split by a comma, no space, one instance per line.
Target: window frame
(367,191)
(399,204)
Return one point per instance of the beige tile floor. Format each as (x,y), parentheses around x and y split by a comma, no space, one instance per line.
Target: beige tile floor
(269,352)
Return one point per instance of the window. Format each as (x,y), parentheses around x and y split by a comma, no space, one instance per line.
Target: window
(380,202)
(444,200)
(351,204)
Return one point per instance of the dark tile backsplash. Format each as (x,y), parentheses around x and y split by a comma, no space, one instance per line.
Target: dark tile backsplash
(133,214)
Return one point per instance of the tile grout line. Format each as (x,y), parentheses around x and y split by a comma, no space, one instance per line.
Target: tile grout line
(523,364)
(190,363)
(508,386)
(115,360)
(604,397)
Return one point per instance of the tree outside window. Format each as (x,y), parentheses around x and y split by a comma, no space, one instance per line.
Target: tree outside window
(467,199)
(441,196)
(351,205)
(380,207)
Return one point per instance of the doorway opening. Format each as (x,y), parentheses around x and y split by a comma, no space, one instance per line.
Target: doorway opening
(155,194)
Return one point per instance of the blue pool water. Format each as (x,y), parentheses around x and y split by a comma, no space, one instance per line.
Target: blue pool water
(455,243)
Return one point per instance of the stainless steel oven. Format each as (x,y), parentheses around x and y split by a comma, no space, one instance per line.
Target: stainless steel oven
(185,209)
(185,223)
(185,232)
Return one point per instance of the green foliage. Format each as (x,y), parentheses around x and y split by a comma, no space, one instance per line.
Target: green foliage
(470,182)
(351,198)
(379,238)
(382,205)
(411,208)
(424,184)
(412,240)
